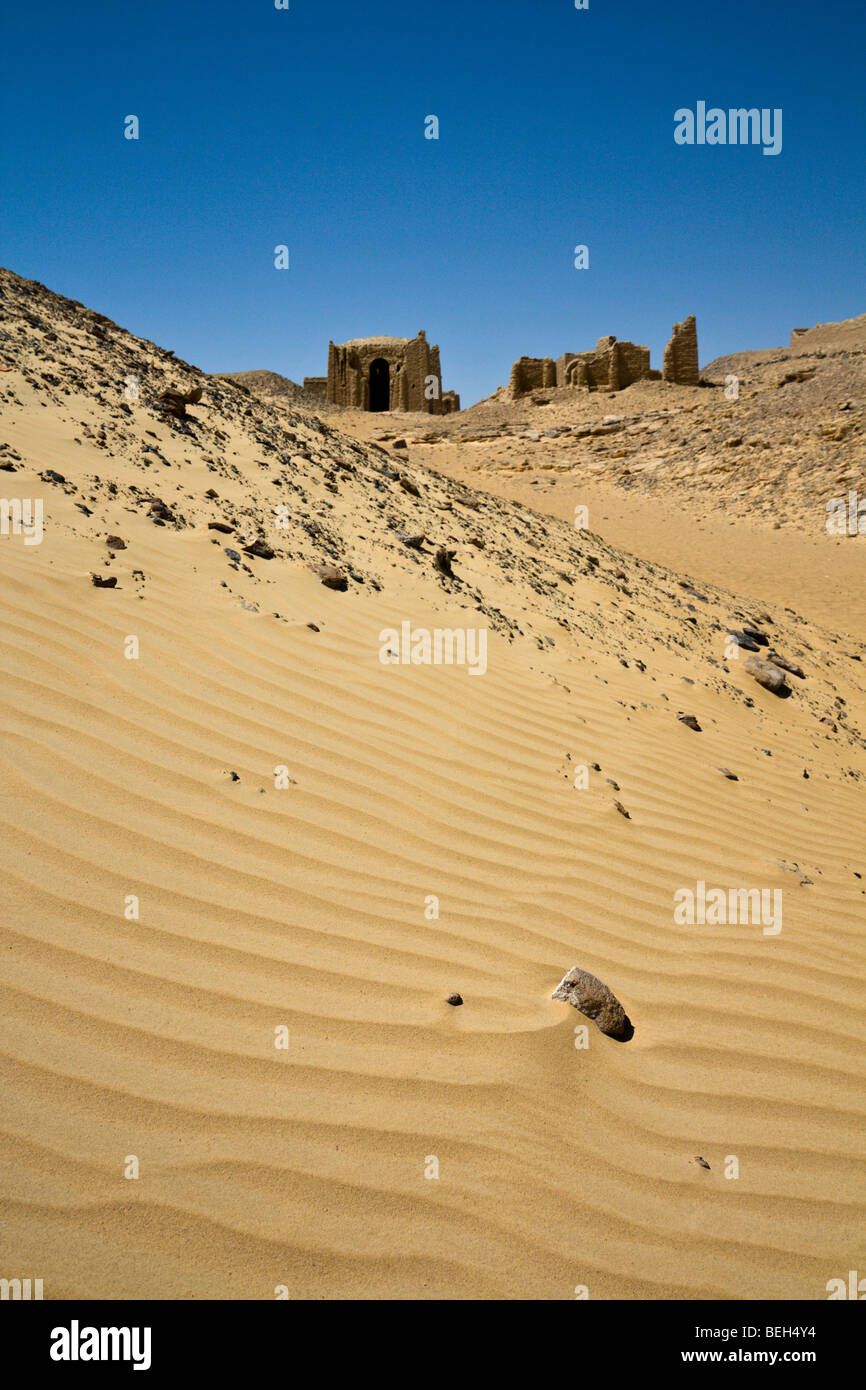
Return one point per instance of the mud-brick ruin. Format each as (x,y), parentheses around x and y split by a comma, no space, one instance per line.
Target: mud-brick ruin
(385,374)
(611,365)
(680,362)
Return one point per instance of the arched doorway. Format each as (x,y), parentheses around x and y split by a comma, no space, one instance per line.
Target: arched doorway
(380,385)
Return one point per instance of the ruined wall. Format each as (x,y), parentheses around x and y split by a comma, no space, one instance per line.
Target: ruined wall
(317,385)
(410,362)
(680,363)
(532,373)
(610,366)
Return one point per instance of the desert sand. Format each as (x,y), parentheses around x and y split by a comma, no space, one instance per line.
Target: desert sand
(302,899)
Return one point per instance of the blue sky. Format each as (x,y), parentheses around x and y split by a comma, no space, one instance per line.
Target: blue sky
(305,127)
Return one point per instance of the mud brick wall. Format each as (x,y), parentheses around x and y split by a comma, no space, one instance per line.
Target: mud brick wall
(680,363)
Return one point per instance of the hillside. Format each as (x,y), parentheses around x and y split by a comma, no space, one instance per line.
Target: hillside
(273,388)
(729,482)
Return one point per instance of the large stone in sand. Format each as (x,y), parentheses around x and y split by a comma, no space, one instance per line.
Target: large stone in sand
(596,1001)
(767,674)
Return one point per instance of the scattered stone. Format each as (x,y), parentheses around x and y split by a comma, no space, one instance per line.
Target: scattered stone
(331,577)
(313,628)
(175,402)
(261,549)
(399,444)
(742,640)
(766,674)
(408,486)
(103,581)
(590,997)
(786,665)
(442,561)
(703,1163)
(160,510)
(690,722)
(623,812)
(115,542)
(756,635)
(731,776)
(222,526)
(413,542)
(454,999)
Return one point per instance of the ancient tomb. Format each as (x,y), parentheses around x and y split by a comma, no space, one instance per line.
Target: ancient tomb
(385,374)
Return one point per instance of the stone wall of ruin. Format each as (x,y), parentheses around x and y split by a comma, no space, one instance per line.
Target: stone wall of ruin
(316,385)
(680,363)
(532,373)
(611,366)
(410,364)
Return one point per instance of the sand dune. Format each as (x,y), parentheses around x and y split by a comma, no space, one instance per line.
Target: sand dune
(304,907)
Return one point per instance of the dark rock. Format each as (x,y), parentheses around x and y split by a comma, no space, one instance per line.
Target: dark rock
(743,641)
(731,776)
(454,999)
(115,542)
(690,722)
(160,509)
(261,549)
(103,581)
(408,486)
(442,561)
(175,402)
(222,526)
(786,665)
(331,577)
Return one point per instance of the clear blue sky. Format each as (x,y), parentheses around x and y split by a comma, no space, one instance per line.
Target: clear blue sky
(306,127)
